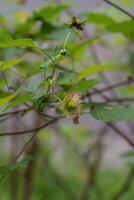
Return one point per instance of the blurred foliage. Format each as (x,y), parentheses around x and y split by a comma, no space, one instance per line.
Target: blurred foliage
(46,55)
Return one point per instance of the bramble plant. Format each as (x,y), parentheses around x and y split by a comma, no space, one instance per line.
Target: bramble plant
(50,69)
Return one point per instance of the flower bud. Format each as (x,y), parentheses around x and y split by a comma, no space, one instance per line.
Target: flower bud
(71,106)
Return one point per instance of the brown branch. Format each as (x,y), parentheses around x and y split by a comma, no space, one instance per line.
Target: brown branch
(120,133)
(119,8)
(110,87)
(6,118)
(28,142)
(119,100)
(28,172)
(25,146)
(30,130)
(111,125)
(14,112)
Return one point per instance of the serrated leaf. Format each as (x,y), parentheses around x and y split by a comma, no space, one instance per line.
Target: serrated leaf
(85,85)
(93,69)
(9,63)
(103,112)
(66,78)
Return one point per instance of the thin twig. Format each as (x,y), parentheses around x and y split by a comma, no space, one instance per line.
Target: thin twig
(14,112)
(25,146)
(27,143)
(110,87)
(30,130)
(126,99)
(119,8)
(120,133)
(6,118)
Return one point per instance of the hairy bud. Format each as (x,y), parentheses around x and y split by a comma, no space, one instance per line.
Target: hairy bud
(71,106)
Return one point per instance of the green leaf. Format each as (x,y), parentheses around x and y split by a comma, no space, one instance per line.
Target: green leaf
(9,63)
(66,78)
(128,156)
(51,11)
(53,61)
(99,19)
(4,35)
(13,167)
(3,93)
(2,83)
(33,72)
(9,42)
(103,112)
(79,47)
(17,101)
(93,69)
(8,98)
(126,28)
(85,85)
(22,164)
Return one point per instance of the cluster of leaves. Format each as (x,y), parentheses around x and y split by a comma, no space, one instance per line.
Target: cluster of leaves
(58,64)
